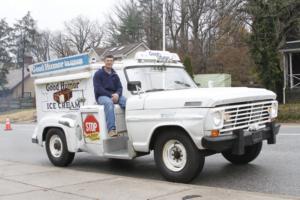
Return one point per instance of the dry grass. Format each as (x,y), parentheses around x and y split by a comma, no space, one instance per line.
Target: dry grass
(25,115)
(289,113)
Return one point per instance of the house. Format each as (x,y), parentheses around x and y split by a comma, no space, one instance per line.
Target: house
(291,70)
(14,85)
(123,51)
(14,81)
(11,97)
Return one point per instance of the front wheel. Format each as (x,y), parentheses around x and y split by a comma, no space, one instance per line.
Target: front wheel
(251,152)
(177,157)
(57,149)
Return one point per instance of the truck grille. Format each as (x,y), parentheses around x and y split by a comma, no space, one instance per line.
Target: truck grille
(241,116)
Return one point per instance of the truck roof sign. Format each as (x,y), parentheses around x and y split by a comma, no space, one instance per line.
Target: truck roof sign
(61,64)
(157,56)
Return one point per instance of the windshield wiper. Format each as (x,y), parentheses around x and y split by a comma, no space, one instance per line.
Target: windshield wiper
(155,90)
(182,83)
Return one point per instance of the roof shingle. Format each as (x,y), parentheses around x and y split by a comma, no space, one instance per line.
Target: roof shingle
(119,51)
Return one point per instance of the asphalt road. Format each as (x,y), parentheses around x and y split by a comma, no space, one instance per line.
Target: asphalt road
(276,170)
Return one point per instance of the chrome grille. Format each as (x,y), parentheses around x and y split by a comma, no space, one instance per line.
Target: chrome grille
(241,116)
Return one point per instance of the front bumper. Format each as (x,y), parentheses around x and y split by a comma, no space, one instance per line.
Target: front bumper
(240,139)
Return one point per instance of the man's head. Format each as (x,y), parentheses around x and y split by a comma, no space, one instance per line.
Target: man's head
(109,61)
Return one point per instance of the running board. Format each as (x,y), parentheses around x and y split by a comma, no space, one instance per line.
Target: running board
(118,147)
(121,154)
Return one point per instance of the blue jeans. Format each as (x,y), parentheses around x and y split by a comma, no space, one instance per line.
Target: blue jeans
(109,110)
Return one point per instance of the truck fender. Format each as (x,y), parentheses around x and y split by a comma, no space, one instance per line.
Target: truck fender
(66,124)
(160,127)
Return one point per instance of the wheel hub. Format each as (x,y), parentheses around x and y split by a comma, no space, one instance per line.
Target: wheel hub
(174,155)
(56,146)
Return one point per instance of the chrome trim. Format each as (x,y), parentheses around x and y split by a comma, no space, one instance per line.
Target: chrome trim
(146,118)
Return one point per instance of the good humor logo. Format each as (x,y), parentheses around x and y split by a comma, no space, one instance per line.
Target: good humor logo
(63,63)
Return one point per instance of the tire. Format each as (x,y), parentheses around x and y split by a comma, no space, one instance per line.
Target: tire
(57,148)
(178,146)
(251,152)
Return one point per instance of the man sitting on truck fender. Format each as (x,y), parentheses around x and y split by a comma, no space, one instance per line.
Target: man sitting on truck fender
(108,91)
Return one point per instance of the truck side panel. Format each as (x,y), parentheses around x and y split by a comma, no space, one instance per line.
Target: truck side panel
(141,124)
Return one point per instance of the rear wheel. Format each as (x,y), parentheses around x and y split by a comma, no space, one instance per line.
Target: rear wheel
(251,152)
(177,157)
(57,149)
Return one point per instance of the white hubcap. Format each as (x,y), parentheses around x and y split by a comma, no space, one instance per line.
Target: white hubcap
(56,146)
(174,155)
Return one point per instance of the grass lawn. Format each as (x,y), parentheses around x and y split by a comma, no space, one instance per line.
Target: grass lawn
(289,113)
(24,115)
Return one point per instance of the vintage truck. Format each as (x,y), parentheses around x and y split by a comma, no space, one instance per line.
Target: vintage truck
(165,112)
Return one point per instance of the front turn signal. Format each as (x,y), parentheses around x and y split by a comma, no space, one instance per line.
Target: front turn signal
(215,133)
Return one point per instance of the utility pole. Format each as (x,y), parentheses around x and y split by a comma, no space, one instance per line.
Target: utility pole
(20,59)
(22,63)
(164,25)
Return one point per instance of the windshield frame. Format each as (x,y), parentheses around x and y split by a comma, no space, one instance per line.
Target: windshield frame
(153,65)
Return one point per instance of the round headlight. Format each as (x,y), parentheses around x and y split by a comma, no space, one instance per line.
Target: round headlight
(217,118)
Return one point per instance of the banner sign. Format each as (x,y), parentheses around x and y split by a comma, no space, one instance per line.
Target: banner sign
(61,64)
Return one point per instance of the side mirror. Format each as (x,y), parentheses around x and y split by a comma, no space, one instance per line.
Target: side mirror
(134,85)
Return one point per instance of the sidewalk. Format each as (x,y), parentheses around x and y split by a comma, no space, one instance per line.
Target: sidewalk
(25,181)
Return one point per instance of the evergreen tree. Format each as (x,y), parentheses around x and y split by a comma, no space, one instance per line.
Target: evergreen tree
(5,57)
(126,26)
(24,33)
(24,37)
(188,66)
(271,21)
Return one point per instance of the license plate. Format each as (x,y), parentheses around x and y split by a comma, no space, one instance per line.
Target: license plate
(256,137)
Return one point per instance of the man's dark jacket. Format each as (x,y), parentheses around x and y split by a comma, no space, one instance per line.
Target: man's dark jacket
(106,84)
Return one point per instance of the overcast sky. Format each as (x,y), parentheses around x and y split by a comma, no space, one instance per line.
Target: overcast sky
(50,14)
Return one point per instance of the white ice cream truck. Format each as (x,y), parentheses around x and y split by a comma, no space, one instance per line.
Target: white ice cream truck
(165,112)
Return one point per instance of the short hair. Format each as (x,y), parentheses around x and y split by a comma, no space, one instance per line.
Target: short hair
(109,56)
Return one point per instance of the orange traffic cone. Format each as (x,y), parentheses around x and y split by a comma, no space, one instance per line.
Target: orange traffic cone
(7,125)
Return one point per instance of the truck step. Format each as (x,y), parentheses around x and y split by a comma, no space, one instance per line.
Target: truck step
(115,143)
(118,147)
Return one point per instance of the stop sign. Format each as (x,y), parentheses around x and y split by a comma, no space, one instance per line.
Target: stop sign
(91,127)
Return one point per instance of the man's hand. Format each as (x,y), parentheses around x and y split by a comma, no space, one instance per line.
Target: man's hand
(115,97)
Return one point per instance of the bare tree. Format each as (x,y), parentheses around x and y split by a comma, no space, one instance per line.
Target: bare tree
(175,22)
(112,33)
(198,15)
(41,49)
(60,45)
(83,33)
(151,12)
(183,40)
(208,21)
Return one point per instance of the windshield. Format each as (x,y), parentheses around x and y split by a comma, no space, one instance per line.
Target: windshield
(159,78)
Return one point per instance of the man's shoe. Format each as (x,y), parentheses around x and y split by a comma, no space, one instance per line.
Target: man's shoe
(120,134)
(112,133)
